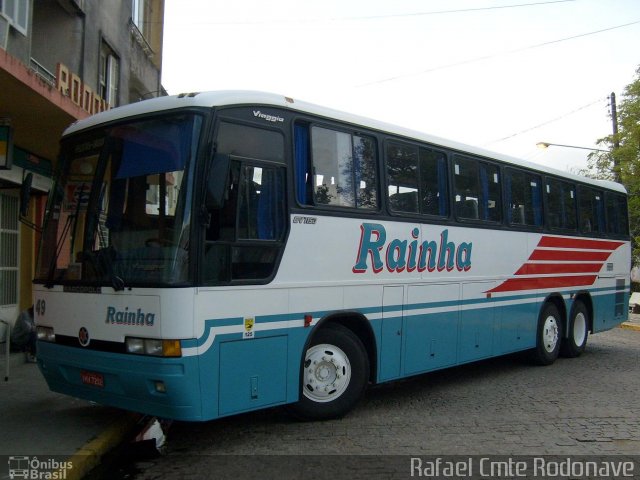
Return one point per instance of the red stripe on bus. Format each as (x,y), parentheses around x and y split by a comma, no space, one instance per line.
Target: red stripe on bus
(549,268)
(569,255)
(559,242)
(539,283)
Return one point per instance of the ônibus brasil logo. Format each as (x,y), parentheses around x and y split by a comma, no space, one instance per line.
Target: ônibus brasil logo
(33,468)
(408,255)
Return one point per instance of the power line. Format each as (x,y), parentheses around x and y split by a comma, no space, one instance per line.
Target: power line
(547,122)
(494,55)
(382,17)
(461,10)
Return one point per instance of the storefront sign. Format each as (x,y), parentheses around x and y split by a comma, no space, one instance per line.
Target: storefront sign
(72,86)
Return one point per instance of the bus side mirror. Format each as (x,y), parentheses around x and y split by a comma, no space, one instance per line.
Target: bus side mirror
(25,194)
(217,182)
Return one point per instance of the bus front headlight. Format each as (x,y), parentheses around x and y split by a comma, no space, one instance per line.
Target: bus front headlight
(153,346)
(45,334)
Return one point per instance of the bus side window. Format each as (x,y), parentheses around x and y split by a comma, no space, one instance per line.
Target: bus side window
(402,177)
(617,215)
(417,180)
(561,205)
(467,189)
(591,207)
(434,192)
(524,198)
(335,168)
(491,206)
(478,194)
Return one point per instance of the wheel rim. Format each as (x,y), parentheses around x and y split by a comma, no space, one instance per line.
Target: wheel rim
(327,373)
(550,334)
(579,329)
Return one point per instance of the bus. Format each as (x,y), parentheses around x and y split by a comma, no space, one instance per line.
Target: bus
(209,254)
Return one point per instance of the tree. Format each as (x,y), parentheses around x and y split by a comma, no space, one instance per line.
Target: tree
(623,157)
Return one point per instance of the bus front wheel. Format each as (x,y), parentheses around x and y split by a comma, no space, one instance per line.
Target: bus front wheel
(549,335)
(335,372)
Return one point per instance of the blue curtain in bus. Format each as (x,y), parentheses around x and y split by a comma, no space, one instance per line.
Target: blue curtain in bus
(270,205)
(301,141)
(443,195)
(484,185)
(536,199)
(155,147)
(508,197)
(563,208)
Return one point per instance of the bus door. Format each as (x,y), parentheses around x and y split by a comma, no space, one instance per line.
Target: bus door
(243,242)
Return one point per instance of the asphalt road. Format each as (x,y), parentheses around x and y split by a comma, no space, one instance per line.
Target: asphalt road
(589,406)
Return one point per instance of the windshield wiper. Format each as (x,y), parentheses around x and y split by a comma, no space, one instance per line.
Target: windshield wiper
(56,253)
(67,228)
(60,244)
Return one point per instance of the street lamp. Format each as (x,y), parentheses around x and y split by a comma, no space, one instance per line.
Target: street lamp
(547,145)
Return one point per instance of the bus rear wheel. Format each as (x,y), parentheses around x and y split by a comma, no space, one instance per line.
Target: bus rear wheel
(549,335)
(335,372)
(578,332)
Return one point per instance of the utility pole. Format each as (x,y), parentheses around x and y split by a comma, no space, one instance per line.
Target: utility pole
(616,142)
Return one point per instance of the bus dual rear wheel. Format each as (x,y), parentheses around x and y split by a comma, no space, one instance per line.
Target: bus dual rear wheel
(578,332)
(335,373)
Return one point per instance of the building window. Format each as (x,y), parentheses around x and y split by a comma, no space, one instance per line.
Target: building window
(109,75)
(139,14)
(17,11)
(8,250)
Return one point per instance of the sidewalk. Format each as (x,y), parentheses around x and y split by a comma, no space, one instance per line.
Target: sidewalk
(35,422)
(633,323)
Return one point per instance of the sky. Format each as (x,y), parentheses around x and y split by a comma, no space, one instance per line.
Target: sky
(498,74)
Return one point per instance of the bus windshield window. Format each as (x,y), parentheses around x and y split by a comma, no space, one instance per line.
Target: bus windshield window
(119,211)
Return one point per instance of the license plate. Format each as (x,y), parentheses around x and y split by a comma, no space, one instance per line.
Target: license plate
(92,378)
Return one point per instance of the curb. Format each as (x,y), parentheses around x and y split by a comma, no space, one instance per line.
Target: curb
(90,455)
(630,326)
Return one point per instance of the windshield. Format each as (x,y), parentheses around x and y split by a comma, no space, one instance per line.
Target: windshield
(120,209)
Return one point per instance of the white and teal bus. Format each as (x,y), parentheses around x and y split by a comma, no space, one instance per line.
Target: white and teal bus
(209,254)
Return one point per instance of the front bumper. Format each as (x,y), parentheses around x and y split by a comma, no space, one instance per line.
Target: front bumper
(129,381)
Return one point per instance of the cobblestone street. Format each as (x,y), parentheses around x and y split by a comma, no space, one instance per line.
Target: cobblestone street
(505,406)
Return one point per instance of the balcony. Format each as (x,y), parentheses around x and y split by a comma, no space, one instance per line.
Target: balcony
(36,110)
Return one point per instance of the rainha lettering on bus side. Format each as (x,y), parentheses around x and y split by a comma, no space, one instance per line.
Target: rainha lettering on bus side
(407,255)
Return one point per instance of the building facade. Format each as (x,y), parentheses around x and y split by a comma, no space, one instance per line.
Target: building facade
(60,61)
